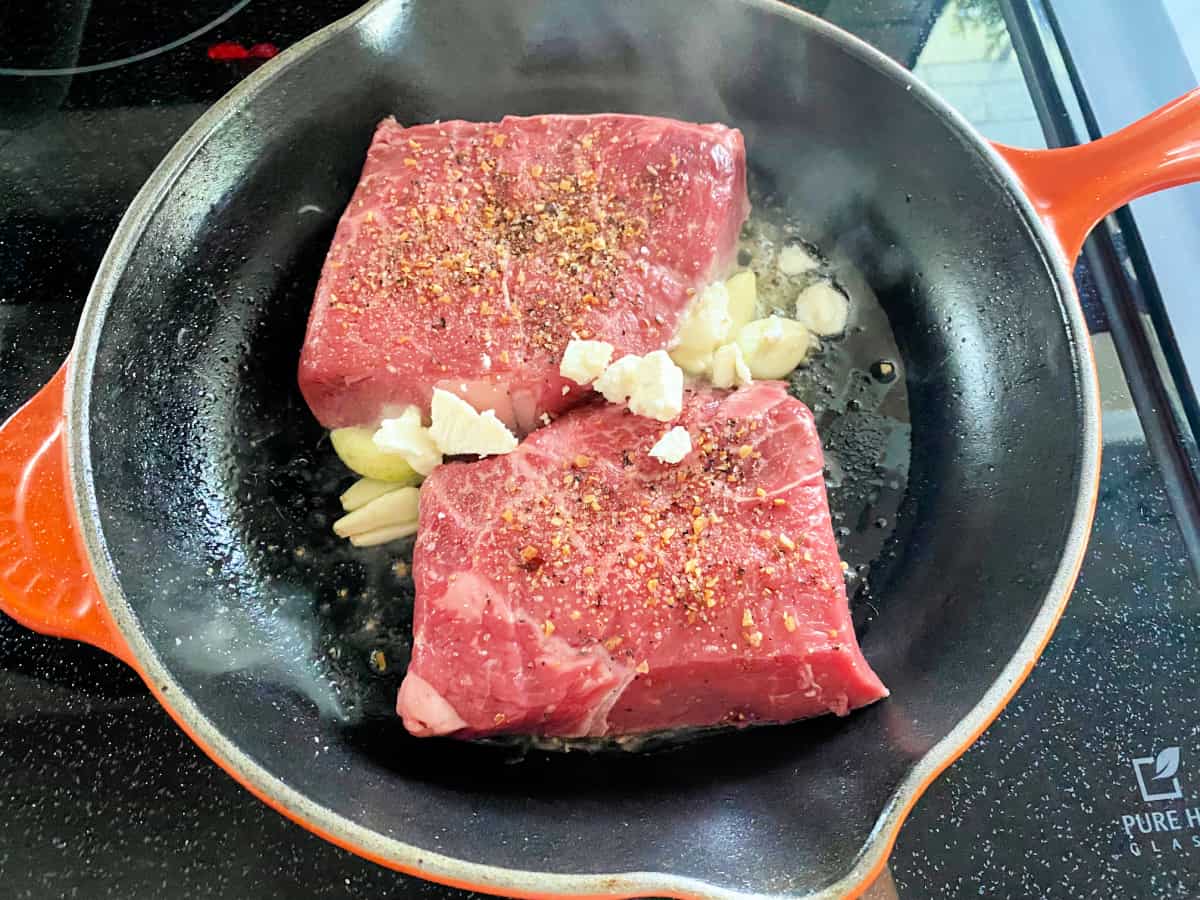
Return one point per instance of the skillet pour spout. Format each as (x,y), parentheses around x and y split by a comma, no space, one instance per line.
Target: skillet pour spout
(168,490)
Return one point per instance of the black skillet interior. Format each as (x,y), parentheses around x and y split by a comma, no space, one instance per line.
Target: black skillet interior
(216,488)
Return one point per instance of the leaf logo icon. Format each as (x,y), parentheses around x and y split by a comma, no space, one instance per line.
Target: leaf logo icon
(1166,763)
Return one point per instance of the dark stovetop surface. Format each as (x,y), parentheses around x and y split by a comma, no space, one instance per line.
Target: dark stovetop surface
(102,796)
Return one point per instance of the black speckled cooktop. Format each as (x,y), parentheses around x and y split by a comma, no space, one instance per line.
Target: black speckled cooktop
(1087,785)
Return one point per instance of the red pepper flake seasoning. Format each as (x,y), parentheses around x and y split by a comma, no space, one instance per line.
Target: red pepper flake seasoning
(529,553)
(745,450)
(581,461)
(747,619)
(499,718)
(507,516)
(613,643)
(787,543)
(754,638)
(789,622)
(643,668)
(548,628)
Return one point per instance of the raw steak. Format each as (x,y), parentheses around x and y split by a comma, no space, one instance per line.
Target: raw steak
(470,252)
(579,587)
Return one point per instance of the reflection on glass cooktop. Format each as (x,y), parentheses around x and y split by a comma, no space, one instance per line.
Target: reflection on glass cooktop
(69,37)
(1089,783)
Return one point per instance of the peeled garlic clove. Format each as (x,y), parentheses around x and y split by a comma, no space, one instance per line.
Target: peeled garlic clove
(823,309)
(729,367)
(673,446)
(707,323)
(743,299)
(585,361)
(794,259)
(383,535)
(406,436)
(657,388)
(356,448)
(774,346)
(694,362)
(617,381)
(459,429)
(393,508)
(364,491)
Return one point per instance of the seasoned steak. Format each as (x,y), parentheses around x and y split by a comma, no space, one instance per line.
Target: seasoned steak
(579,588)
(471,252)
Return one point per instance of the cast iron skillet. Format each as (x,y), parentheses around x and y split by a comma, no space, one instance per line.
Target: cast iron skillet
(167,496)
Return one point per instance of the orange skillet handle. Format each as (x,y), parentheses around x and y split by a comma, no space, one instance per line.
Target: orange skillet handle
(1075,187)
(46,582)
